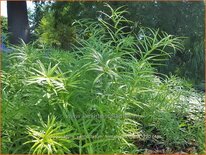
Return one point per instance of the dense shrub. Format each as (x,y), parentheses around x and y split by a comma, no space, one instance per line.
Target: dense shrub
(100,97)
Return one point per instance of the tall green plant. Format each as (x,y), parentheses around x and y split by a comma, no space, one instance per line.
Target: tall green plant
(105,94)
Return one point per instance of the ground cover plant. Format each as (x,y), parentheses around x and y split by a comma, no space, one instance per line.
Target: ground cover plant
(103,96)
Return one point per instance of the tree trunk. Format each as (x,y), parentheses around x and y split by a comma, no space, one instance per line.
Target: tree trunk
(18,25)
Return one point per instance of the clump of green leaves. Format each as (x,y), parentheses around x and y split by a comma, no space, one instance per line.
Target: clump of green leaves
(106,92)
(50,138)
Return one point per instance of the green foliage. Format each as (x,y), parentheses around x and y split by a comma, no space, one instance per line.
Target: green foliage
(54,28)
(50,137)
(175,18)
(4,30)
(50,37)
(100,97)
